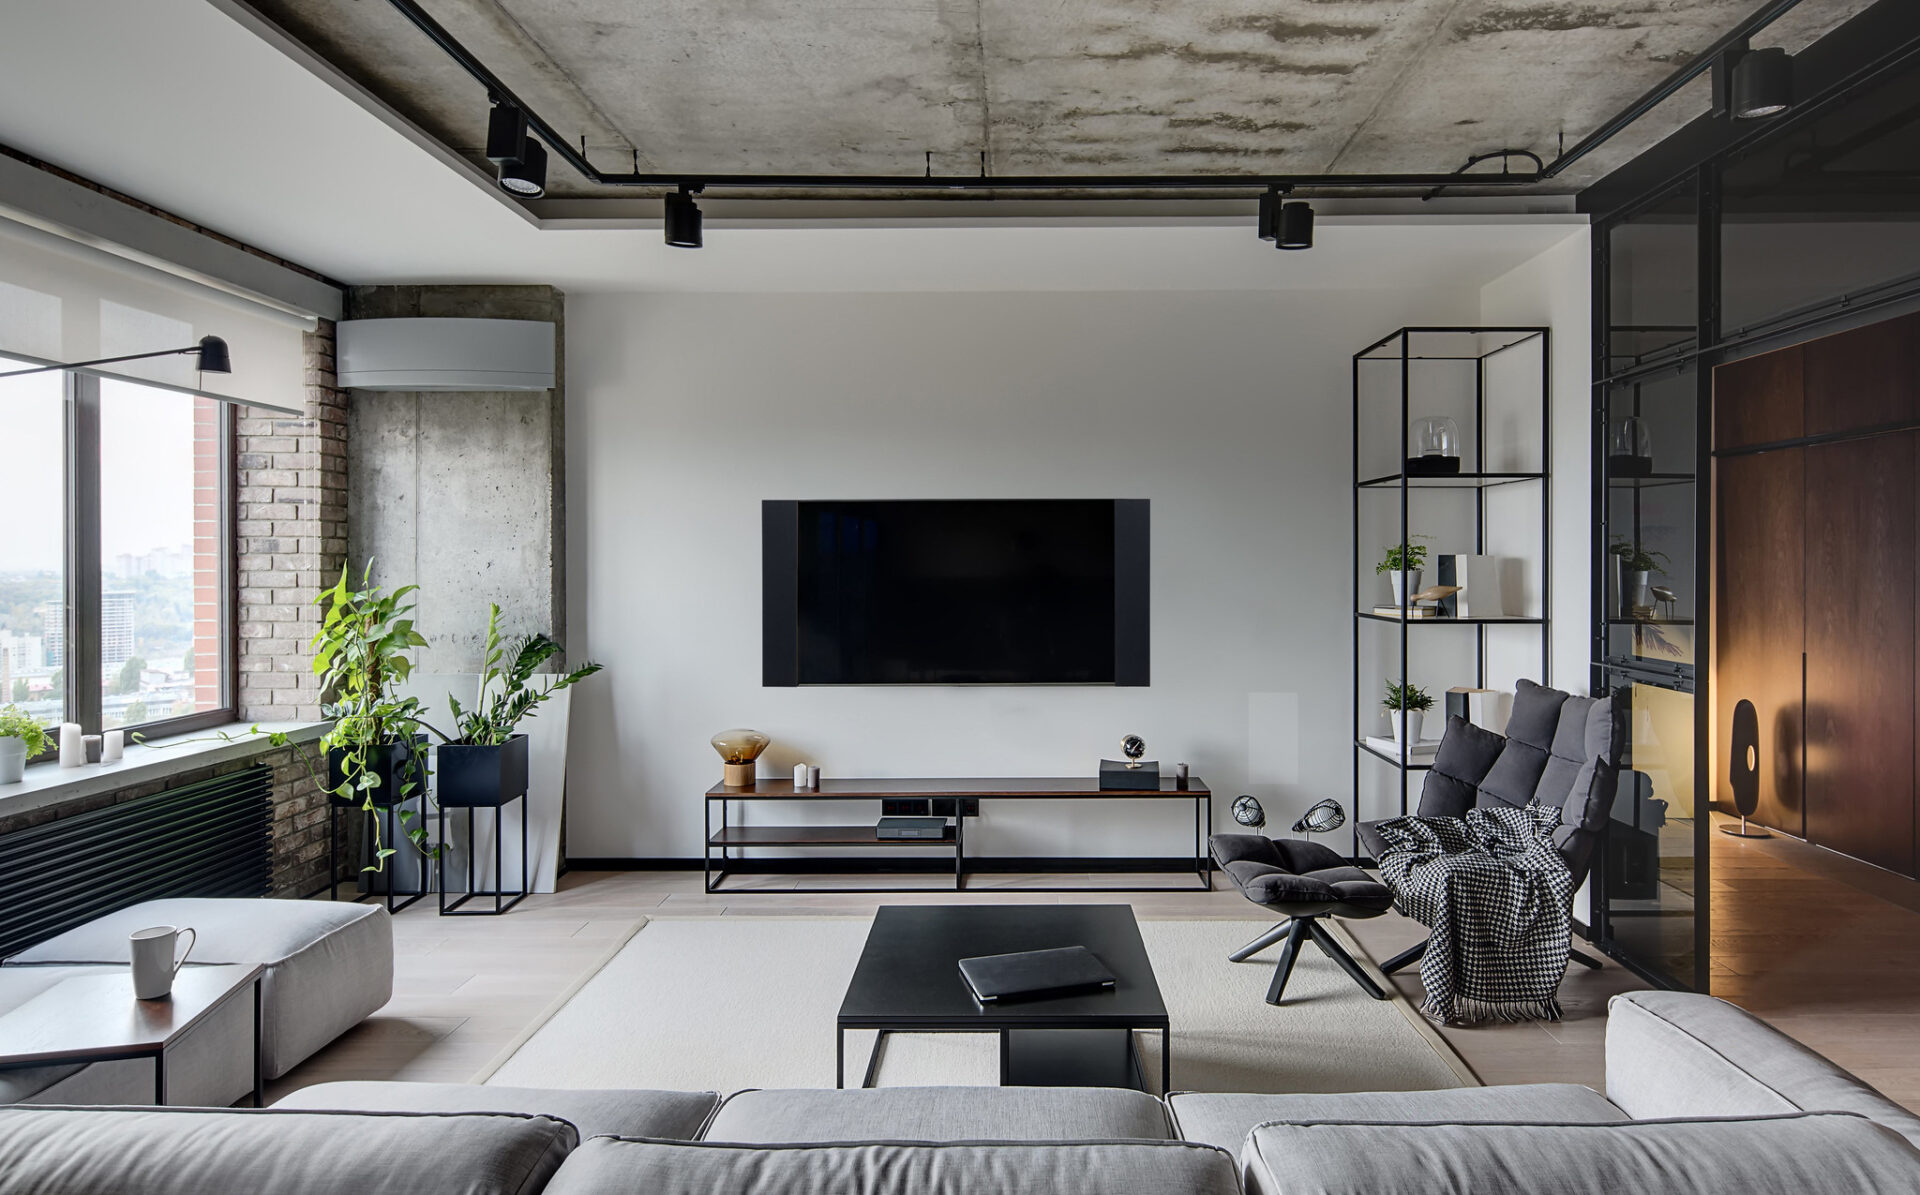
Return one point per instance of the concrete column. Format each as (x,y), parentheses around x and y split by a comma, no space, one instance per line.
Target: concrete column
(462,493)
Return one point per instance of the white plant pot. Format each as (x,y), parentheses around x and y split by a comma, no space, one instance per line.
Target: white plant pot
(1406,725)
(13,761)
(1412,582)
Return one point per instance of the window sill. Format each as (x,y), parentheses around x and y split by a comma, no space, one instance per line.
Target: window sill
(50,784)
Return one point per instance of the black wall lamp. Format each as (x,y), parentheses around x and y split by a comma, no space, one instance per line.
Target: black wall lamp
(211,353)
(683,218)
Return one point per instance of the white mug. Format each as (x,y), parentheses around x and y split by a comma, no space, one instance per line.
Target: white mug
(154,964)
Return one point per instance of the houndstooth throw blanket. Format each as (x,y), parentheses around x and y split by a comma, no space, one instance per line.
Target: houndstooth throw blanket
(1495,892)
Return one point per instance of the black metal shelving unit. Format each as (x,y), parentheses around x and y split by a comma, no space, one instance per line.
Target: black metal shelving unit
(1400,350)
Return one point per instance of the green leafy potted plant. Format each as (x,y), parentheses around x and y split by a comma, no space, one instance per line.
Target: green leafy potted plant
(21,738)
(1636,566)
(485,764)
(372,749)
(1410,557)
(1406,705)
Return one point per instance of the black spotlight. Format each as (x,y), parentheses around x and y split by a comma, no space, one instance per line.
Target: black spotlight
(213,355)
(1295,230)
(527,176)
(506,134)
(1762,84)
(683,219)
(1269,220)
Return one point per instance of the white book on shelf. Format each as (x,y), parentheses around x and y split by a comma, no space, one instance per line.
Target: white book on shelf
(1423,751)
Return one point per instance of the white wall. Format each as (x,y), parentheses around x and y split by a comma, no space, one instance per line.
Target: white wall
(1555,289)
(1230,411)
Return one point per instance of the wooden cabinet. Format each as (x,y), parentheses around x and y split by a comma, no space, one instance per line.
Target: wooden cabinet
(1817,551)
(1860,648)
(1758,625)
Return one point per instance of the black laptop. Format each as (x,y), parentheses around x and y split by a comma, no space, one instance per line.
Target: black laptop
(1034,973)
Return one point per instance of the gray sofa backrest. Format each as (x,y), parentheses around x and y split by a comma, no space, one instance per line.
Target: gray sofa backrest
(187,1151)
(614,1164)
(1819,1154)
(1683,1054)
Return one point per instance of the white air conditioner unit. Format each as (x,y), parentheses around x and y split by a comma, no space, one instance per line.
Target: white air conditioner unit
(444,354)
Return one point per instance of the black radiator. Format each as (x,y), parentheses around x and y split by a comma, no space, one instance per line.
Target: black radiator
(208,838)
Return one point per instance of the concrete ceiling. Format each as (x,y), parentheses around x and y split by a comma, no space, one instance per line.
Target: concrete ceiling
(194,112)
(1043,86)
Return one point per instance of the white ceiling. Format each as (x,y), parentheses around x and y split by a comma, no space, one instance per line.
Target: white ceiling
(186,109)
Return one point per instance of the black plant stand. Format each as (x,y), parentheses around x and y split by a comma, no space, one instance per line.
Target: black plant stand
(387,835)
(498,891)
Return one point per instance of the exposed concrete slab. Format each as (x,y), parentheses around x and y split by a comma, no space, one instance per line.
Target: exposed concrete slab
(463,494)
(1093,86)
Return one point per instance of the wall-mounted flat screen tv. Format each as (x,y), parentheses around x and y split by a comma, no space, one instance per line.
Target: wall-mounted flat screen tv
(957,592)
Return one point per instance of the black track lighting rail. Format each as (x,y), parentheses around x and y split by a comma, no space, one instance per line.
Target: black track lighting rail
(500,93)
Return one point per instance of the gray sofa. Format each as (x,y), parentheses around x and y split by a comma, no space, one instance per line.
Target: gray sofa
(1700,1097)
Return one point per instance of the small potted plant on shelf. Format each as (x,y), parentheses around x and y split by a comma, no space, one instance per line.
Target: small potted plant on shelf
(21,738)
(1636,566)
(485,763)
(1406,705)
(1412,557)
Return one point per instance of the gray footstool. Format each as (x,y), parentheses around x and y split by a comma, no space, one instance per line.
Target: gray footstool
(329,965)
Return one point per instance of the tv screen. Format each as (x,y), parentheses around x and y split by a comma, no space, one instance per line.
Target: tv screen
(1036,591)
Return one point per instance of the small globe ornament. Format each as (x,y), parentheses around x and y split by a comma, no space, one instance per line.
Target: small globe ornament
(1322,817)
(1133,747)
(1247,811)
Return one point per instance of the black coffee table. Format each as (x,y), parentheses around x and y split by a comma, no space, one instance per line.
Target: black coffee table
(908,981)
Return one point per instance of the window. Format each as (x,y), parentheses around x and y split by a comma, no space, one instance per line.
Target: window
(115,581)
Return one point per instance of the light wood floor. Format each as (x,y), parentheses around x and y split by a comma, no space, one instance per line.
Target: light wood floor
(465,987)
(1825,948)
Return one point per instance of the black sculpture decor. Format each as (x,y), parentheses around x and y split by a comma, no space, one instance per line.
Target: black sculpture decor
(1743,771)
(1322,817)
(1247,811)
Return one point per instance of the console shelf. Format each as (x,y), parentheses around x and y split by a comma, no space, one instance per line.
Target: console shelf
(732,840)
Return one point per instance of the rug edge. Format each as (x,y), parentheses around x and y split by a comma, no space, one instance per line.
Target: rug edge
(1436,1041)
(559,1002)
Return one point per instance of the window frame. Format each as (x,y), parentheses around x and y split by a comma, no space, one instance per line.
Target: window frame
(81,652)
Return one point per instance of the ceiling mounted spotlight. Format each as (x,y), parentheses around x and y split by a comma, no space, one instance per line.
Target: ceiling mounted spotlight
(1762,84)
(526,176)
(1295,230)
(683,218)
(1269,220)
(506,133)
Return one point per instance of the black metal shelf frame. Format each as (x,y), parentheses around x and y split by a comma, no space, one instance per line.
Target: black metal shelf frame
(1398,348)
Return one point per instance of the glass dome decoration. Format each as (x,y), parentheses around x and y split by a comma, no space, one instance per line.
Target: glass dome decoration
(1630,448)
(740,747)
(1434,441)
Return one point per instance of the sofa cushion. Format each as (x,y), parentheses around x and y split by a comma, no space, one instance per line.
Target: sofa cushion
(1684,1054)
(1453,782)
(890,1168)
(212,1064)
(941,1114)
(177,1151)
(1807,1154)
(669,1115)
(329,964)
(1225,1119)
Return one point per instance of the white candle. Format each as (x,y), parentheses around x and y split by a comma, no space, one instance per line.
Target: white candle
(799,775)
(113,746)
(73,747)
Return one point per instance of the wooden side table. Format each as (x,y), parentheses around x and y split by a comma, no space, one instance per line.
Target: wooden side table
(94,1018)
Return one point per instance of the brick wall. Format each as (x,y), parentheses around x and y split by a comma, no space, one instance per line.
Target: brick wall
(291,537)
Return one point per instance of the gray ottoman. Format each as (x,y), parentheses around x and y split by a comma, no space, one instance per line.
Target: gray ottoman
(329,965)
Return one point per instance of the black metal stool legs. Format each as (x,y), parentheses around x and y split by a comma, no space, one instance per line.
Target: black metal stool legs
(1330,946)
(1411,954)
(1260,943)
(1296,933)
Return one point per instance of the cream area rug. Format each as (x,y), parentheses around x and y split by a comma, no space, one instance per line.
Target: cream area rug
(726,1003)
